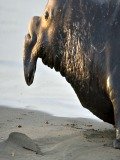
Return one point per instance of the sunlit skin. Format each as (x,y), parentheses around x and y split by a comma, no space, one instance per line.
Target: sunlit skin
(81,40)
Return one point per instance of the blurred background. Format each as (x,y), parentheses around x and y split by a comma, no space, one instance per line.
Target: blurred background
(50,92)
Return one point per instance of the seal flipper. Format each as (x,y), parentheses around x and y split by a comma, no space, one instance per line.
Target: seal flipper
(114,94)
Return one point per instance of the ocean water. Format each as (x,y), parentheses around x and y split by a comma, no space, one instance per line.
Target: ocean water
(50,92)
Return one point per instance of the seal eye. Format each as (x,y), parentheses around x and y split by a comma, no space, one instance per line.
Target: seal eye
(46,15)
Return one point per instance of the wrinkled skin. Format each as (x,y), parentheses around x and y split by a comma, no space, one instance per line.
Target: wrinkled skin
(81,40)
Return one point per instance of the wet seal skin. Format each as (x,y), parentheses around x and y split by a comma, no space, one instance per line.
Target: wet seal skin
(81,40)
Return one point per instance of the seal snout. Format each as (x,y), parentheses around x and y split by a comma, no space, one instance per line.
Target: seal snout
(29,78)
(29,73)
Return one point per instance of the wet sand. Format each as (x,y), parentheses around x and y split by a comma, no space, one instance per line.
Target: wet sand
(53,138)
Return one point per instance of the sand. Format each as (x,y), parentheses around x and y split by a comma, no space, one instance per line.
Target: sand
(34,135)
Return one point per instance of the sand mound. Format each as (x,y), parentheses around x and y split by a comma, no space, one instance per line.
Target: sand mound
(17,142)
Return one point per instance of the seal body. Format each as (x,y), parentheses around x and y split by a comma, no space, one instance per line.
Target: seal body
(81,40)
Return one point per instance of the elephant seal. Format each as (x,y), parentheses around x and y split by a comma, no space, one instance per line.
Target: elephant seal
(81,40)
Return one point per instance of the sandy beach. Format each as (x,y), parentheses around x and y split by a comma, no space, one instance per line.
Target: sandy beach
(53,138)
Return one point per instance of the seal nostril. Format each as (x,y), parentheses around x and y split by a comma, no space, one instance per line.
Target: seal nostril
(46,15)
(28,37)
